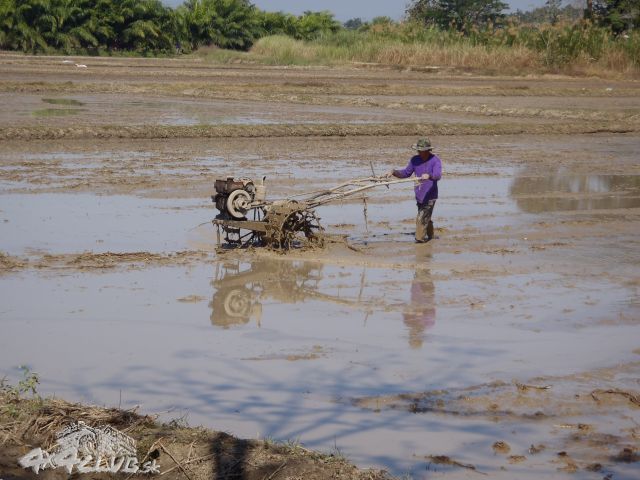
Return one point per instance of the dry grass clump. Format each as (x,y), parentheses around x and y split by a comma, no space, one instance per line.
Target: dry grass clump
(478,57)
(22,419)
(283,50)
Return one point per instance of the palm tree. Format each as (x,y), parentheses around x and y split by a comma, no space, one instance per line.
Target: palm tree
(225,23)
(7,17)
(29,18)
(69,28)
(138,25)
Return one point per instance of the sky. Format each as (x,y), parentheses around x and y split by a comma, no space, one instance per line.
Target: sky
(365,9)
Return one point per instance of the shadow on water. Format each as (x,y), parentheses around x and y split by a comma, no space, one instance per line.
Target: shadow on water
(235,391)
(561,190)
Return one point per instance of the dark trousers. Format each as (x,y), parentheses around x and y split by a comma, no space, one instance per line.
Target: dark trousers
(424,225)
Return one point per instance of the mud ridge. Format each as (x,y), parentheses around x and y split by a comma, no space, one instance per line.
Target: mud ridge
(98,261)
(301,130)
(296,87)
(539,398)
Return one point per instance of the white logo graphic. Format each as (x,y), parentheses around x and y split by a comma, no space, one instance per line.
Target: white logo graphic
(87,449)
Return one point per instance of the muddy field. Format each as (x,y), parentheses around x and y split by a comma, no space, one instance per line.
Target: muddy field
(508,346)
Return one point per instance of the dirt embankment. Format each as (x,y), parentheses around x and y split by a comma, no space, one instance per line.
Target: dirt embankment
(316,130)
(99,261)
(181,452)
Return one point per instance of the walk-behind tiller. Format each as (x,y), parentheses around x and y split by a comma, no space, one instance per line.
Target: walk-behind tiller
(246,218)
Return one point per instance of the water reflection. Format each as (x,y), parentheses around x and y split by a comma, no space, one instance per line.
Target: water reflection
(560,189)
(421,312)
(241,288)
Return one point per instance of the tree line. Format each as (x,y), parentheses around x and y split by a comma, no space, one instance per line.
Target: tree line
(148,26)
(110,26)
(465,15)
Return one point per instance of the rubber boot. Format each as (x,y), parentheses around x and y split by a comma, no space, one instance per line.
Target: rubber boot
(430,230)
(420,230)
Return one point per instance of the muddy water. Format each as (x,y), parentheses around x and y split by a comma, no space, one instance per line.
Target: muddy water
(77,223)
(260,353)
(563,191)
(533,274)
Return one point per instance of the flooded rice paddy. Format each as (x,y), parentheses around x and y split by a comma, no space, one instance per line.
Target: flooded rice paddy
(517,324)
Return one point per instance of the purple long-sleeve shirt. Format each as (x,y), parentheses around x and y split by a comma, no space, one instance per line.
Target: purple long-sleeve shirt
(426,189)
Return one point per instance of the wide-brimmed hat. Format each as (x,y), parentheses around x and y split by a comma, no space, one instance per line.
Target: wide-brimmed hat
(423,145)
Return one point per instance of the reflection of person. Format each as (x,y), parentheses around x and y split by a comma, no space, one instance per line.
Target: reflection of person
(421,313)
(428,168)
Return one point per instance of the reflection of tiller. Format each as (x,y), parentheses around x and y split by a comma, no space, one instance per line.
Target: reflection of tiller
(239,291)
(279,224)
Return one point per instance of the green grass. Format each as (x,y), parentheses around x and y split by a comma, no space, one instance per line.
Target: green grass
(56,112)
(25,389)
(62,101)
(220,55)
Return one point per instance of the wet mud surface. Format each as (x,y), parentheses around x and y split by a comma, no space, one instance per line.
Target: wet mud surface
(506,346)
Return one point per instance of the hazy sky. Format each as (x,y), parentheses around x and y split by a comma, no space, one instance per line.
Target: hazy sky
(365,9)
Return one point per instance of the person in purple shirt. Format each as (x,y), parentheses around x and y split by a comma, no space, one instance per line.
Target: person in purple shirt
(427,167)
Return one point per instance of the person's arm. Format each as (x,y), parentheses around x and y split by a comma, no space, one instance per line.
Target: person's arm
(437,170)
(405,172)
